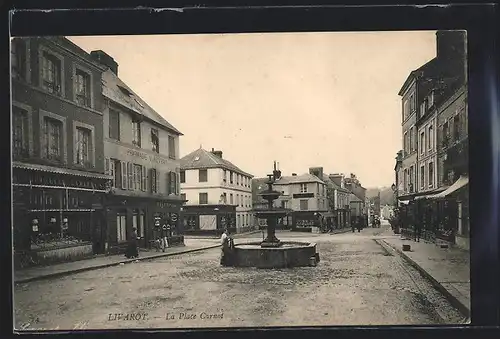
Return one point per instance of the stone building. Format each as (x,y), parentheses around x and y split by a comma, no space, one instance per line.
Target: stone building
(218,194)
(141,153)
(59,179)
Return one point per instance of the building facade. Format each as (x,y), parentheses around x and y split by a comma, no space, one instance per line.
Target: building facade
(338,198)
(142,155)
(59,179)
(305,195)
(218,194)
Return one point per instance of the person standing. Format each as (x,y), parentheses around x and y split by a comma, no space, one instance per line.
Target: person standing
(131,251)
(224,261)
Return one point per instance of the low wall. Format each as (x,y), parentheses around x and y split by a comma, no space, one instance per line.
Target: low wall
(281,257)
(65,254)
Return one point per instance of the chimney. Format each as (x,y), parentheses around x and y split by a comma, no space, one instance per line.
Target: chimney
(317,171)
(217,153)
(106,60)
(294,174)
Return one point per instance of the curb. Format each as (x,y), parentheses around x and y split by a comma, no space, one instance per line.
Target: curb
(125,261)
(451,298)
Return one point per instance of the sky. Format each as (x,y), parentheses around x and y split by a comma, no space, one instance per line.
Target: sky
(302,99)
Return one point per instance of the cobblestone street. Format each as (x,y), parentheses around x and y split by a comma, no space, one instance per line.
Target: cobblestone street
(357,282)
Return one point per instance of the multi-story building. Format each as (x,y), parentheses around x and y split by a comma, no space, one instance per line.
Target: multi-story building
(399,175)
(305,195)
(338,197)
(358,202)
(142,155)
(59,179)
(218,194)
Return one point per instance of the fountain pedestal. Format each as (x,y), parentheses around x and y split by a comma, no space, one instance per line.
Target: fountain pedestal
(272,252)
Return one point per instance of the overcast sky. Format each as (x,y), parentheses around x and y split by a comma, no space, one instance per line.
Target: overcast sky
(302,99)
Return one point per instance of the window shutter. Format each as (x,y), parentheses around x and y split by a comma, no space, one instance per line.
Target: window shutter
(112,172)
(168,182)
(130,170)
(157,177)
(152,180)
(124,168)
(144,183)
(107,168)
(173,181)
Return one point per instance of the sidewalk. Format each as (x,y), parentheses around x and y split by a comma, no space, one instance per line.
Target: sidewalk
(52,271)
(448,269)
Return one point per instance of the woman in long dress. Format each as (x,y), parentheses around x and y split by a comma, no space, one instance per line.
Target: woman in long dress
(131,251)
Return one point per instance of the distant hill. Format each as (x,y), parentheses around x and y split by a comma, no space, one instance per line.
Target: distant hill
(386,195)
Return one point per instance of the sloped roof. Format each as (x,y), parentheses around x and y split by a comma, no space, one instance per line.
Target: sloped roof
(355,198)
(201,158)
(332,184)
(304,178)
(424,70)
(116,90)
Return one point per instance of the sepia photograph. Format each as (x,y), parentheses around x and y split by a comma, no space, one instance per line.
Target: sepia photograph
(240,180)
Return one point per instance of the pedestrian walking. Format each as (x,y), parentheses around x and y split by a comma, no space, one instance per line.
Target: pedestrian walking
(132,251)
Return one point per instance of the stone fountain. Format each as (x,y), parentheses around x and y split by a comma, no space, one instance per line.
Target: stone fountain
(272,252)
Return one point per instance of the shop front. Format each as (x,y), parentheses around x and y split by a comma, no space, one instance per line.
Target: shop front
(304,221)
(57,214)
(209,219)
(153,218)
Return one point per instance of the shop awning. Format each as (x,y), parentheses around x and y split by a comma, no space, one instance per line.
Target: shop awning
(58,170)
(431,194)
(461,182)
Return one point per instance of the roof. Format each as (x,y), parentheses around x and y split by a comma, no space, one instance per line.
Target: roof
(424,70)
(117,91)
(201,158)
(356,198)
(297,179)
(332,184)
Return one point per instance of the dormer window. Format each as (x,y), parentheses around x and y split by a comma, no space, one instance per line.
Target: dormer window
(124,91)
(430,99)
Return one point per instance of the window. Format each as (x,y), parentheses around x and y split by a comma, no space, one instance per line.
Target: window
(230,177)
(172,182)
(203,198)
(412,139)
(405,179)
(183,196)
(171,147)
(422,176)
(412,103)
(83,146)
(238,199)
(304,205)
(405,142)
(303,188)
(202,175)
(412,178)
(183,176)
(445,134)
(423,107)
(431,99)
(82,88)
(224,174)
(137,177)
(422,143)
(19,59)
(405,109)
(114,124)
(20,147)
(224,198)
(116,172)
(136,133)
(231,201)
(430,138)
(51,73)
(456,127)
(53,139)
(121,227)
(431,174)
(284,204)
(155,141)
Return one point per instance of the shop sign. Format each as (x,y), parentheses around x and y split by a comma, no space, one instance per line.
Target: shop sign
(174,217)
(147,157)
(164,204)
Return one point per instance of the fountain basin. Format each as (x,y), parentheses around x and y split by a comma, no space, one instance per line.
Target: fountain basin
(289,254)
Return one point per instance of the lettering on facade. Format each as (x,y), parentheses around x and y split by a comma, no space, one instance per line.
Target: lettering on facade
(163,204)
(146,157)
